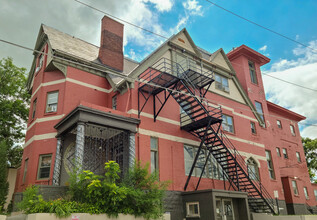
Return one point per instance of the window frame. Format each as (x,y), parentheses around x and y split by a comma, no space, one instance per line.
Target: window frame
(224,122)
(315,193)
(285,154)
(256,169)
(188,214)
(270,164)
(40,62)
(114,102)
(25,170)
(295,188)
(299,159)
(47,101)
(306,193)
(154,150)
(253,129)
(34,108)
(279,124)
(220,85)
(260,113)
(278,152)
(40,167)
(252,71)
(292,128)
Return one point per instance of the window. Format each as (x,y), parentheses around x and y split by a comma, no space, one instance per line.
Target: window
(34,108)
(154,154)
(279,124)
(252,73)
(298,157)
(25,170)
(40,63)
(270,164)
(114,102)
(192,209)
(212,169)
(306,193)
(292,129)
(315,193)
(253,169)
(285,153)
(44,166)
(51,102)
(278,151)
(227,123)
(253,130)
(294,185)
(221,83)
(258,107)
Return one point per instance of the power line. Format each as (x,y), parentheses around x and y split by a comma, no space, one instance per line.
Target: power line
(127,22)
(261,26)
(145,82)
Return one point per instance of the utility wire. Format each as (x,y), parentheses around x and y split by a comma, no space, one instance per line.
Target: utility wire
(261,26)
(127,22)
(142,81)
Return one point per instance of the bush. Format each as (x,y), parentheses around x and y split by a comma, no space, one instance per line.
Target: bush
(139,194)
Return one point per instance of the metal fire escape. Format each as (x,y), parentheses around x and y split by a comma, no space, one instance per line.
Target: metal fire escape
(188,84)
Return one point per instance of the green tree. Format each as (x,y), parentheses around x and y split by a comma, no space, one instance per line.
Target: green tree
(310,149)
(14,99)
(4,186)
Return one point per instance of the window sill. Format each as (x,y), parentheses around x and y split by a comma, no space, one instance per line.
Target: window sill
(255,84)
(50,113)
(228,132)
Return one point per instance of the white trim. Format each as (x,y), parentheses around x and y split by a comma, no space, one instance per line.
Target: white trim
(238,114)
(40,137)
(72,81)
(187,141)
(245,141)
(39,120)
(167,120)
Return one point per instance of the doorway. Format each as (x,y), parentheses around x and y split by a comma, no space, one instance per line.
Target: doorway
(224,209)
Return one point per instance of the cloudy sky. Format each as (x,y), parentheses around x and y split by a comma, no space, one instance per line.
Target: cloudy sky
(209,26)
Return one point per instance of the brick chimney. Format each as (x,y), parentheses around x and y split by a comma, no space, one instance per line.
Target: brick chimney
(111,43)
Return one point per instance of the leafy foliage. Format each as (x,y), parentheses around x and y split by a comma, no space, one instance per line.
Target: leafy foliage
(14,100)
(139,194)
(310,149)
(4,185)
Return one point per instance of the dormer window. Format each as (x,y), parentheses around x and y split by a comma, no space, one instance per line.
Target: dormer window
(221,83)
(252,73)
(40,63)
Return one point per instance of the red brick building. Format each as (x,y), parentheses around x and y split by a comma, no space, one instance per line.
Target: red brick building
(201,119)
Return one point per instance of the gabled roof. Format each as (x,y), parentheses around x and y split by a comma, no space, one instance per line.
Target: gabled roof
(247,51)
(285,112)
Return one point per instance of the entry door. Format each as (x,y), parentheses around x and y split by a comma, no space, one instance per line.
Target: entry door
(224,209)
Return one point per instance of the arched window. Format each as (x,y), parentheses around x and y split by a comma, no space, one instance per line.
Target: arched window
(253,169)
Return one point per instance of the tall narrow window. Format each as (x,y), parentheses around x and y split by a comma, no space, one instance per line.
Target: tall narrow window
(298,157)
(259,109)
(278,151)
(315,193)
(279,124)
(285,153)
(44,167)
(253,169)
(270,164)
(25,170)
(114,102)
(292,130)
(253,130)
(252,73)
(227,123)
(40,63)
(306,193)
(154,154)
(34,108)
(294,185)
(51,102)
(221,83)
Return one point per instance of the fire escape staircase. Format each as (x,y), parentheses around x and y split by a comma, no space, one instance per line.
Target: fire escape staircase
(188,84)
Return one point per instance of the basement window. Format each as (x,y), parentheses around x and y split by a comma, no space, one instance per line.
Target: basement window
(221,83)
(44,168)
(192,209)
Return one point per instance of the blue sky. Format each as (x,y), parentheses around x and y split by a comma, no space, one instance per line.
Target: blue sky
(210,27)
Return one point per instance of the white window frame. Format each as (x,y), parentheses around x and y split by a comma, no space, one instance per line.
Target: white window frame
(225,125)
(188,214)
(292,128)
(51,106)
(220,83)
(279,124)
(40,167)
(295,188)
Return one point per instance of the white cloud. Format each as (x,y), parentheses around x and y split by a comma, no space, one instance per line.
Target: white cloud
(302,71)
(193,7)
(161,5)
(263,48)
